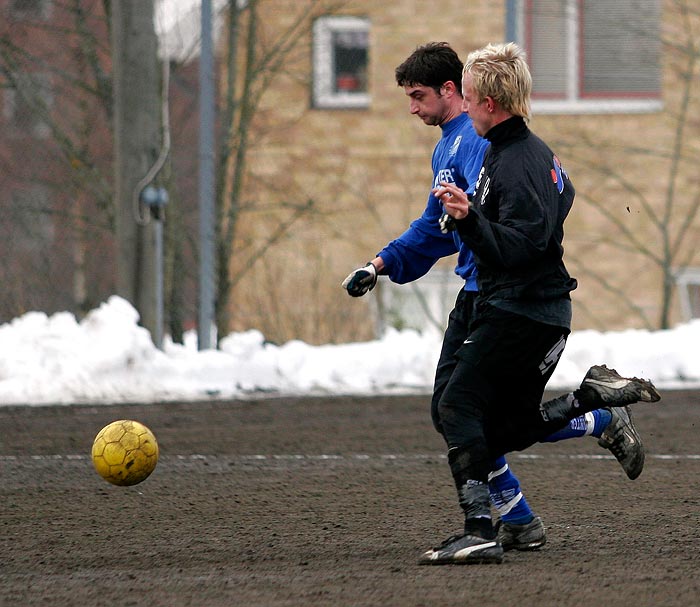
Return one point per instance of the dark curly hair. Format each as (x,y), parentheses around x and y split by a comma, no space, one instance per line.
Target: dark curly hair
(431,65)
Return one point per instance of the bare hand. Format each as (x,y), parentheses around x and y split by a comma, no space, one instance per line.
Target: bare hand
(453,199)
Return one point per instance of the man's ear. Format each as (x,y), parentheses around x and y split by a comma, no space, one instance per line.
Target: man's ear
(450,87)
(490,104)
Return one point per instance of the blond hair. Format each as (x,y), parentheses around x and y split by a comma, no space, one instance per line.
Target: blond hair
(500,71)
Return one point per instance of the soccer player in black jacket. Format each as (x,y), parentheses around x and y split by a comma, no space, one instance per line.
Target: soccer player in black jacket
(514,225)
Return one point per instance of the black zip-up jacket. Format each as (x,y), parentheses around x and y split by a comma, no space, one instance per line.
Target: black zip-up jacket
(515,224)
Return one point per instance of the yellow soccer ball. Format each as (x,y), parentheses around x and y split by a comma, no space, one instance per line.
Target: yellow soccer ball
(125,452)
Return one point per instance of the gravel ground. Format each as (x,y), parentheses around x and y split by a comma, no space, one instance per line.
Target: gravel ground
(329,501)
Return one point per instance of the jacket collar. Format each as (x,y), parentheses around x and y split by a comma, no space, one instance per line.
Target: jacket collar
(508,130)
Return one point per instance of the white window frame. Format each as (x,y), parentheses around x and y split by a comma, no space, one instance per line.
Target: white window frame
(573,102)
(323,95)
(688,285)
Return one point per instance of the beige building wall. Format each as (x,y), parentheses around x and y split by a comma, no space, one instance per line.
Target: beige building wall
(366,174)
(635,174)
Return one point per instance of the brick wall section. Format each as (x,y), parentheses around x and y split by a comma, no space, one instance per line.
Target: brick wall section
(368,172)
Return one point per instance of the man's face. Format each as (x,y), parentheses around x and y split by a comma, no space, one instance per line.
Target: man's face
(478,110)
(425,103)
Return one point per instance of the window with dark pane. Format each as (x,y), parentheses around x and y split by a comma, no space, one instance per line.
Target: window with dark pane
(340,62)
(588,55)
(621,48)
(350,61)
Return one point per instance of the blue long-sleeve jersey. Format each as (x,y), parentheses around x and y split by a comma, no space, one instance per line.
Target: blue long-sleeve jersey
(457,159)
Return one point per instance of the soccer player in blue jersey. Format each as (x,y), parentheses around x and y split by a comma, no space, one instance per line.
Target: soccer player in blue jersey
(431,78)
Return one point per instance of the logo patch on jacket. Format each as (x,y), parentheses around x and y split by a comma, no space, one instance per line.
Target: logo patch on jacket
(558,174)
(455,146)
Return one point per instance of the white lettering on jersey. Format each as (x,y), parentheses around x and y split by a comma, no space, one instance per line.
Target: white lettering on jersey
(485,192)
(478,181)
(443,175)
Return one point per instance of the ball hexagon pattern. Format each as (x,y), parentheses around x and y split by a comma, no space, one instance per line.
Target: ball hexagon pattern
(125,452)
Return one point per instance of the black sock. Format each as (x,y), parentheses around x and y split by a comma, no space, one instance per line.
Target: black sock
(481,527)
(475,502)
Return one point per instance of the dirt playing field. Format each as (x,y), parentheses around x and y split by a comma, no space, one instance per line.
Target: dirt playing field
(329,501)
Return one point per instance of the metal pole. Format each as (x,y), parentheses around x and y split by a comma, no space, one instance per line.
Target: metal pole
(158,260)
(511,21)
(206,181)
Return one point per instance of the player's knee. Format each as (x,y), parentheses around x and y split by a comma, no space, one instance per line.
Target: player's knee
(435,416)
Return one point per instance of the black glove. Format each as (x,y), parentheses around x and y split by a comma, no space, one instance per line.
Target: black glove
(361,280)
(447,223)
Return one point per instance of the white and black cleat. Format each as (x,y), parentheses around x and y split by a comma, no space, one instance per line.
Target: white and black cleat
(621,438)
(608,388)
(463,550)
(529,536)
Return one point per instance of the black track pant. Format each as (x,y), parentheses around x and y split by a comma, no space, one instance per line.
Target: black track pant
(457,330)
(488,393)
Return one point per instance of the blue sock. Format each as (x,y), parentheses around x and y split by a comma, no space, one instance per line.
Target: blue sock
(592,423)
(602,418)
(506,497)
